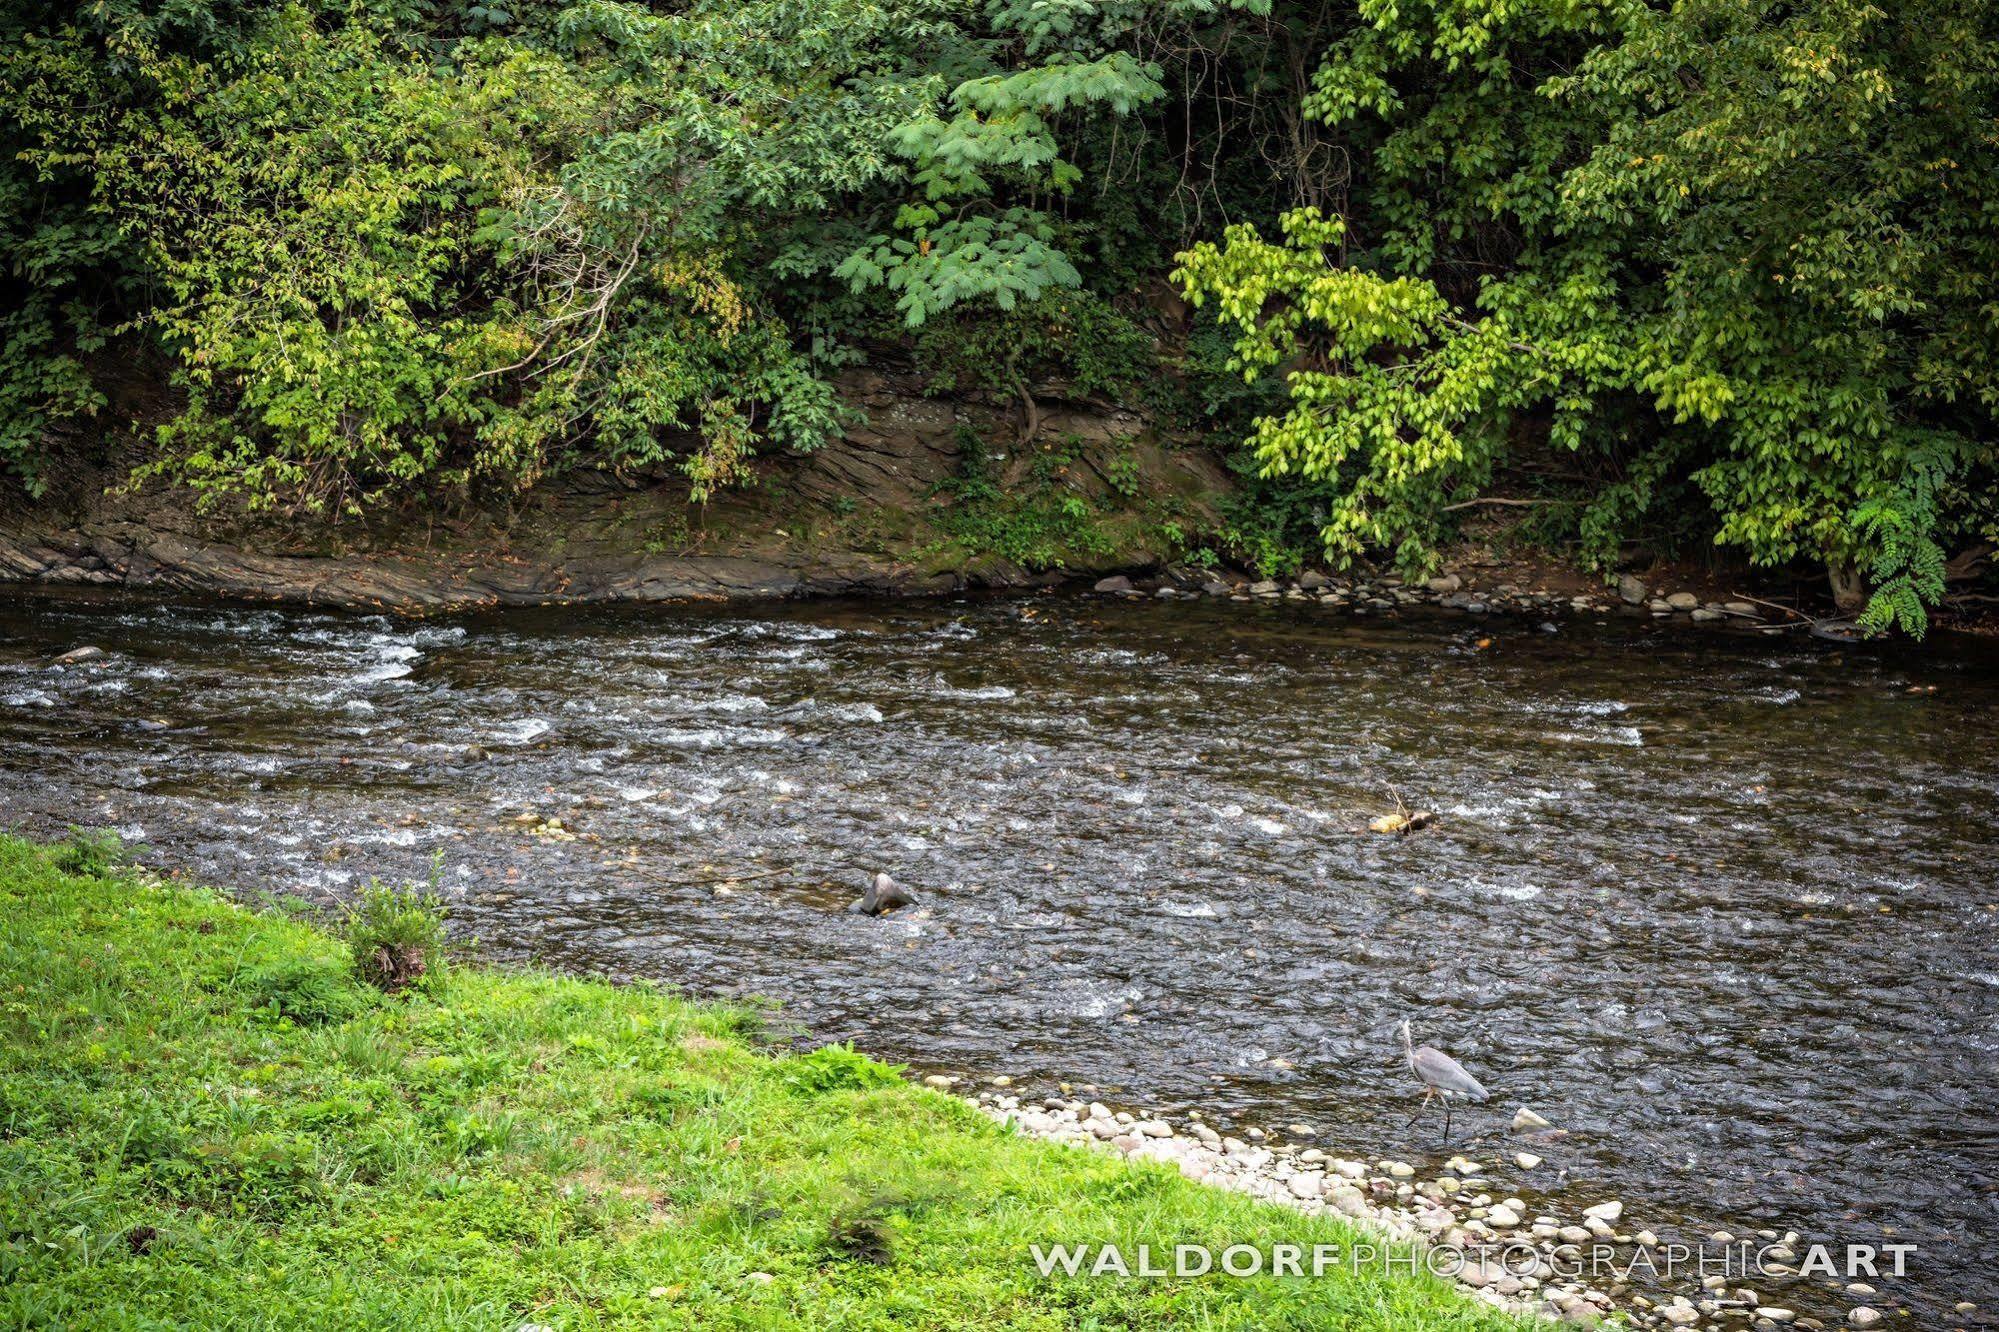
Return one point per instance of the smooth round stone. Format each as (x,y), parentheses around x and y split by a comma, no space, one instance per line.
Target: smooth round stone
(1864,1317)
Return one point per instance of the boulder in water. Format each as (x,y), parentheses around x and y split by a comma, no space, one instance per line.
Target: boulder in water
(883,895)
(88,652)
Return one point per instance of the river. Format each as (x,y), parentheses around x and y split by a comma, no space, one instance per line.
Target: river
(1724,906)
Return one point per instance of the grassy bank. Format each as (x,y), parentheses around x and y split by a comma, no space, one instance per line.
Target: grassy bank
(206,1121)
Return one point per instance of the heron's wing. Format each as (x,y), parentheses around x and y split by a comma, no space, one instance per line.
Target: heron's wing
(1447,1074)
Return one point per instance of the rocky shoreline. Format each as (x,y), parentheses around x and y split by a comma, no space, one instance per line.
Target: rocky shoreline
(1471,591)
(1503,1251)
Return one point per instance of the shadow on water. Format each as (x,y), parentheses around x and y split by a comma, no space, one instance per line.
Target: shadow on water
(1723,906)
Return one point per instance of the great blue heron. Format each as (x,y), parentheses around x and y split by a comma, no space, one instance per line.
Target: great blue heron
(1440,1075)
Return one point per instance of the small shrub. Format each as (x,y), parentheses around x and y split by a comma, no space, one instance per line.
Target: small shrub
(310,991)
(861,1239)
(93,853)
(397,935)
(838,1068)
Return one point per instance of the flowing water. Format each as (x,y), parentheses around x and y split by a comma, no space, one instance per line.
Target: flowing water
(1726,907)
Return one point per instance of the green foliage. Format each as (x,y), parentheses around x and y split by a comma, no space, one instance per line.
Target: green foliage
(1768,224)
(1075,337)
(396,934)
(1039,525)
(833,1068)
(381,271)
(1729,267)
(95,852)
(309,991)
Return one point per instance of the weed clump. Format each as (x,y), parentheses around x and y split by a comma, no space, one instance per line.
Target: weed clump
(96,853)
(838,1068)
(397,935)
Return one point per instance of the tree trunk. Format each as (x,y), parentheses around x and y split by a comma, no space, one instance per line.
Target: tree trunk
(1849,589)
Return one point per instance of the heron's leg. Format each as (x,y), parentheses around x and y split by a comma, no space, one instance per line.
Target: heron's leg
(1447,1116)
(1422,1105)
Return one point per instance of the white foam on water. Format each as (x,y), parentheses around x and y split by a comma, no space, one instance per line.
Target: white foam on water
(1190,910)
(860,712)
(724,703)
(717,737)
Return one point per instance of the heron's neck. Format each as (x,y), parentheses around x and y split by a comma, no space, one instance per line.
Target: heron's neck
(1408,1047)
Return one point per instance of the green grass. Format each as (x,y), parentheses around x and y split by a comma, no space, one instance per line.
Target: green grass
(206,1120)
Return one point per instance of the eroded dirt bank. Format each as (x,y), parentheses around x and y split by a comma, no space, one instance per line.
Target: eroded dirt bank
(921,495)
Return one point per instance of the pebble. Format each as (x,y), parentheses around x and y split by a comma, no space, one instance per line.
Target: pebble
(1864,1317)
(1502,1217)
(1683,601)
(1523,1118)
(1605,1211)
(1526,1160)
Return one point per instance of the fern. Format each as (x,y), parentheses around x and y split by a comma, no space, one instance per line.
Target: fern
(1905,564)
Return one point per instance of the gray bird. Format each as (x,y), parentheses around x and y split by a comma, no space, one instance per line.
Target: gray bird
(1440,1075)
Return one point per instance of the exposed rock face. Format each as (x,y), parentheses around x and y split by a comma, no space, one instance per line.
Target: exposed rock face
(859,515)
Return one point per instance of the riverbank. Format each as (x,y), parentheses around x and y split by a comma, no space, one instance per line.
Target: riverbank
(210,1122)
(922,494)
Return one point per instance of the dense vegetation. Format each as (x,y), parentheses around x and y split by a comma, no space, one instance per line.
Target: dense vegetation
(210,1121)
(1721,270)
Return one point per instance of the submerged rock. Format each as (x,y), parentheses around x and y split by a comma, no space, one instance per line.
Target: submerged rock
(88,652)
(884,894)
(1115,583)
